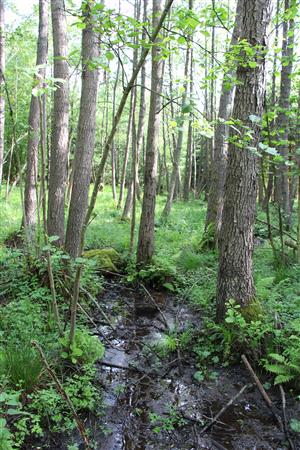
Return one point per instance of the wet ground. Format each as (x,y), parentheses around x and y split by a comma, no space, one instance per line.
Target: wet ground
(154,403)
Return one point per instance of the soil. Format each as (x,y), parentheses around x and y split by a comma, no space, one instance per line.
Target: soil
(137,384)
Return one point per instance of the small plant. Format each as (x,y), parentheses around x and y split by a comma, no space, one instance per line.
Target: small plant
(86,349)
(20,364)
(173,419)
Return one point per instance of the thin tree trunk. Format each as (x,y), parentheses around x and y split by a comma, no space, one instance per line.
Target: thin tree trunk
(140,132)
(60,125)
(235,277)
(283,118)
(85,137)
(30,197)
(2,93)
(126,92)
(113,147)
(189,146)
(178,147)
(126,154)
(145,248)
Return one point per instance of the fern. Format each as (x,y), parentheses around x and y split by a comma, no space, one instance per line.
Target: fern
(284,378)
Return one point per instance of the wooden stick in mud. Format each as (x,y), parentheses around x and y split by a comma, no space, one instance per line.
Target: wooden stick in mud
(156,306)
(263,392)
(229,403)
(285,422)
(52,374)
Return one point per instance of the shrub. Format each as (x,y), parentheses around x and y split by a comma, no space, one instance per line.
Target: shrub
(86,349)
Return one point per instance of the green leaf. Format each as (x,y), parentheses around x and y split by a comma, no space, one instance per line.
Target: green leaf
(199,376)
(252,64)
(181,40)
(12,412)
(295,425)
(109,55)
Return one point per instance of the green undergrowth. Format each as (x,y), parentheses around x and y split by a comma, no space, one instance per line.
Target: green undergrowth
(31,406)
(268,332)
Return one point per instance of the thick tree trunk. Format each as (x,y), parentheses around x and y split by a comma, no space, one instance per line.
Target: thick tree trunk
(30,198)
(283,114)
(145,248)
(218,167)
(60,124)
(235,278)
(85,137)
(2,94)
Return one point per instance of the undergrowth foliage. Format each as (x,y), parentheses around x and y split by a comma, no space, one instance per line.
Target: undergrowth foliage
(30,405)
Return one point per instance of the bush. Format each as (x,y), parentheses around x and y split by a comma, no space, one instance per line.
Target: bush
(86,349)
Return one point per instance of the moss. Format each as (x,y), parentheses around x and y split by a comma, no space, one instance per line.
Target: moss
(253,311)
(107,258)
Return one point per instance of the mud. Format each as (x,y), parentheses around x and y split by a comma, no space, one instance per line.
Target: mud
(137,384)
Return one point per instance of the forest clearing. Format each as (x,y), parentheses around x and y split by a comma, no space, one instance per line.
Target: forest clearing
(150,225)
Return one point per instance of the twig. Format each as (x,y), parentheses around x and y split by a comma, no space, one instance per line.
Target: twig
(121,367)
(93,322)
(225,407)
(98,307)
(156,306)
(263,392)
(285,422)
(64,395)
(277,229)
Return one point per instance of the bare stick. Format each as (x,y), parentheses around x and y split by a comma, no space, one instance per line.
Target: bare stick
(263,392)
(64,395)
(285,422)
(156,306)
(231,401)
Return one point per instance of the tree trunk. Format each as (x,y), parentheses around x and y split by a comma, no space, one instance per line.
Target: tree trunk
(189,146)
(177,150)
(218,168)
(60,124)
(235,278)
(30,198)
(85,137)
(145,248)
(283,117)
(2,94)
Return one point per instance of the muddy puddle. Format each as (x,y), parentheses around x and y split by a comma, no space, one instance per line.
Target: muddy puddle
(157,404)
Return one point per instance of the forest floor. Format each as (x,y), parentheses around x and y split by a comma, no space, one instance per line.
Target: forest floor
(167,369)
(159,405)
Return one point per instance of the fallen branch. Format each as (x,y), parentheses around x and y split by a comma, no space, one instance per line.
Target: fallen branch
(52,374)
(285,422)
(121,367)
(94,323)
(264,394)
(277,229)
(104,315)
(225,407)
(156,306)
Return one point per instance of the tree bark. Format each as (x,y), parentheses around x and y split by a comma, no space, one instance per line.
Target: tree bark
(60,124)
(2,93)
(189,146)
(235,278)
(30,197)
(85,136)
(283,117)
(175,176)
(145,248)
(218,167)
